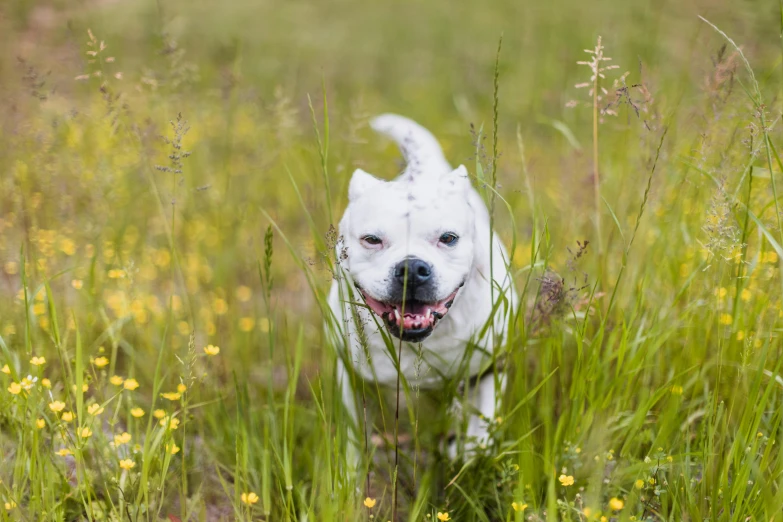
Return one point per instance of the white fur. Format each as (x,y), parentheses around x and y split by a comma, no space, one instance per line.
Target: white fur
(410,213)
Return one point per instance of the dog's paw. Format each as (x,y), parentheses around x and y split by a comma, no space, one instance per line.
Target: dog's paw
(452,451)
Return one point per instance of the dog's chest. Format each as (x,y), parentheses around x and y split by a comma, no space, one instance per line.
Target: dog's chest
(424,364)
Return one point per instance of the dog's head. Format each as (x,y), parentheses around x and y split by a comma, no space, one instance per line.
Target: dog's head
(409,246)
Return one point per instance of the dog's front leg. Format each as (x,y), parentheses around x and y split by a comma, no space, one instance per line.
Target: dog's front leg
(483,398)
(353,453)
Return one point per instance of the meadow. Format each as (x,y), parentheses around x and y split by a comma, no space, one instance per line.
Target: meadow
(171,175)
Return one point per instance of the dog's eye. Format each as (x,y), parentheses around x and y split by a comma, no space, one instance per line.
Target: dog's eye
(372,240)
(449,238)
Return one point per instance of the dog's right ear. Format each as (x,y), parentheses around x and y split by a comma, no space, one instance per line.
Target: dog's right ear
(360,183)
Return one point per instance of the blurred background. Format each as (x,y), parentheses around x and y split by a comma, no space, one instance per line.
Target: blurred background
(245,75)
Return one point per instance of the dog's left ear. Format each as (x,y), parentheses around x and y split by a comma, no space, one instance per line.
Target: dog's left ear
(360,183)
(458,178)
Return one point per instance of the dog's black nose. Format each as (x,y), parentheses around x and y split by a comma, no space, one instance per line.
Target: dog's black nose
(418,271)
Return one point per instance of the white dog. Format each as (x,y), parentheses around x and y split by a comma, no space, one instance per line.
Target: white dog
(414,257)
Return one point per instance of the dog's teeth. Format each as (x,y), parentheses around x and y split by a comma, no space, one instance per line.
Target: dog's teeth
(397,315)
(429,313)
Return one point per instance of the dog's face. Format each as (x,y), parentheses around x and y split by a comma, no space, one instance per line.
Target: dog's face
(409,246)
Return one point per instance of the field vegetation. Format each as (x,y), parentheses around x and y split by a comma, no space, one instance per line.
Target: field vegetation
(171,175)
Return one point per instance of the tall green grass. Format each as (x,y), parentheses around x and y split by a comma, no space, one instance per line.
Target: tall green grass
(643,375)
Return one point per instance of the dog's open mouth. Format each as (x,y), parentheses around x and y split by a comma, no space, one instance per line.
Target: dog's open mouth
(412,320)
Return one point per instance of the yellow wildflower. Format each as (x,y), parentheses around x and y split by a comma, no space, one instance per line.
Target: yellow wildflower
(127,464)
(725,319)
(94,409)
(116,274)
(5,369)
(249,498)
(158,414)
(10,505)
(639,484)
(566,480)
(77,284)
(67,246)
(57,406)
(172,448)
(67,416)
(518,506)
(85,433)
(172,396)
(244,293)
(246,324)
(169,423)
(131,384)
(741,335)
(85,387)
(46,383)
(38,361)
(40,424)
(443,517)
(64,452)
(616,504)
(220,306)
(11,267)
(116,380)
(137,412)
(15,388)
(181,388)
(100,362)
(745,295)
(369,502)
(263,324)
(121,439)
(211,350)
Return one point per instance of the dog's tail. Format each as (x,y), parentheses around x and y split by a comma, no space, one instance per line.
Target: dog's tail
(419,147)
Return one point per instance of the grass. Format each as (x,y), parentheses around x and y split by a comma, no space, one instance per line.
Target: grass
(171,180)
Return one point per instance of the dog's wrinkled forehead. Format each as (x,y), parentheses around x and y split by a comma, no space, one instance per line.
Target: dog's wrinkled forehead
(430,201)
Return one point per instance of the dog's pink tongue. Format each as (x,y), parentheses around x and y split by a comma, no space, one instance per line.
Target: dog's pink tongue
(417,321)
(377,306)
